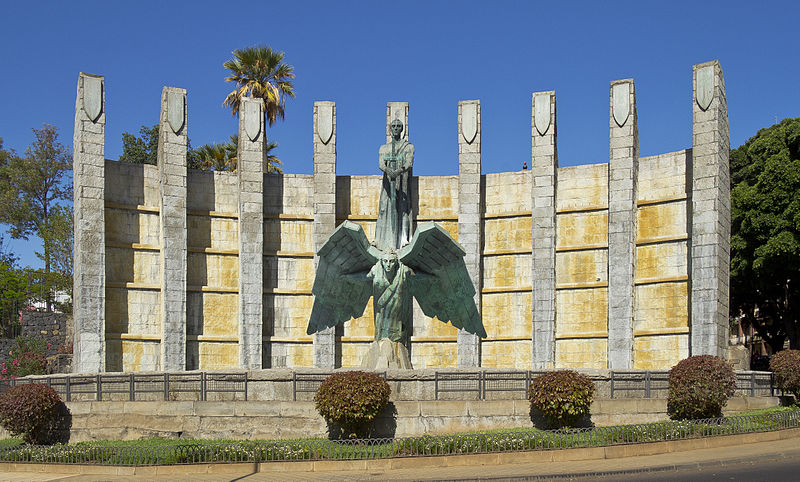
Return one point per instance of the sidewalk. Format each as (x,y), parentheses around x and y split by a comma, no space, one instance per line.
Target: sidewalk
(584,463)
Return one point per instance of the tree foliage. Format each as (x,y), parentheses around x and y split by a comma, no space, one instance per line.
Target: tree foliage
(141,149)
(208,157)
(33,190)
(260,72)
(765,233)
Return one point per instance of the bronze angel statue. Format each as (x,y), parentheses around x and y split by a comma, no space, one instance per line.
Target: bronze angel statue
(430,268)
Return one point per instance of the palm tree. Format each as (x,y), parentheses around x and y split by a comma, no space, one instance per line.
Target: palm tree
(215,157)
(260,72)
(272,162)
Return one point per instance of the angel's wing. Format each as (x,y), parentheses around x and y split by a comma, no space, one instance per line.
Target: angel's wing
(340,291)
(447,293)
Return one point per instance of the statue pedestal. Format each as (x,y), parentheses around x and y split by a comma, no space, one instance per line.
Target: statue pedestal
(386,354)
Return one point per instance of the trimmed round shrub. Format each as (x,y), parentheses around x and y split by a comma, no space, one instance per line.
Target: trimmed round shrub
(699,386)
(350,401)
(30,411)
(785,366)
(563,396)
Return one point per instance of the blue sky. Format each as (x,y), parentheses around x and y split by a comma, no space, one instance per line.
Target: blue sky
(429,53)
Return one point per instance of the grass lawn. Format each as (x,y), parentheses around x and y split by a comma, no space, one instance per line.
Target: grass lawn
(157,451)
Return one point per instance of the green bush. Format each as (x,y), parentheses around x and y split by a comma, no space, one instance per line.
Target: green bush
(563,396)
(699,386)
(785,365)
(26,357)
(31,411)
(350,401)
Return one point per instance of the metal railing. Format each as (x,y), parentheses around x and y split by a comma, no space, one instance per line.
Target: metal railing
(169,385)
(622,384)
(378,448)
(310,382)
(478,385)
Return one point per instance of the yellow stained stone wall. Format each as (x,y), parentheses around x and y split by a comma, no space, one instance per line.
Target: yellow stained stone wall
(133,267)
(126,226)
(507,270)
(435,353)
(662,177)
(214,232)
(661,314)
(511,354)
(661,293)
(659,352)
(212,278)
(581,329)
(433,343)
(582,353)
(582,229)
(582,187)
(507,193)
(437,198)
(288,269)
(289,236)
(655,222)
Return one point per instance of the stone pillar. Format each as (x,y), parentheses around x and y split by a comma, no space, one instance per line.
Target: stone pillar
(711,212)
(89,264)
(470,225)
(622,173)
(397,110)
(250,169)
(544,169)
(172,144)
(324,210)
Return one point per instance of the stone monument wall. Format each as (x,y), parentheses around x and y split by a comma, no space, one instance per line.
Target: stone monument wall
(616,265)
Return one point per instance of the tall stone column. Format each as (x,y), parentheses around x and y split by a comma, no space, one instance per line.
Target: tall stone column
(89,264)
(397,110)
(324,210)
(470,225)
(622,173)
(172,145)
(711,212)
(544,167)
(250,169)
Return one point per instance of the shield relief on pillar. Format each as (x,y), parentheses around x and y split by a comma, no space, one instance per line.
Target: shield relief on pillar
(176,110)
(252,120)
(541,113)
(621,101)
(705,86)
(469,121)
(92,97)
(324,122)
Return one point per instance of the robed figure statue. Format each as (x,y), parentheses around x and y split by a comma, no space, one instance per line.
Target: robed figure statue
(430,268)
(395,159)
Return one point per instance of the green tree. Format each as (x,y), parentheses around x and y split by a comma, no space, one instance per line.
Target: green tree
(765,233)
(223,157)
(32,188)
(142,149)
(14,294)
(260,72)
(215,157)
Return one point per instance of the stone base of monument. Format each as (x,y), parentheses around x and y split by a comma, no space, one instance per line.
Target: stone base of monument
(385,354)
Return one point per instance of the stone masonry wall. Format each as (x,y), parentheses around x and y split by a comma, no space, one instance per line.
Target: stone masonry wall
(613,265)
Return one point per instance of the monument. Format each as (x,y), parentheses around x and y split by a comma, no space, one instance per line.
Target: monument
(617,265)
(393,270)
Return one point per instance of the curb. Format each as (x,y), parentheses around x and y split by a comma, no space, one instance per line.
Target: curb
(451,461)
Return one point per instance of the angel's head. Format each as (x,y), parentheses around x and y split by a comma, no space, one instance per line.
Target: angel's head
(389,262)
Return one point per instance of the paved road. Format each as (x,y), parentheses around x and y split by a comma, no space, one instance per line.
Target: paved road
(778,460)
